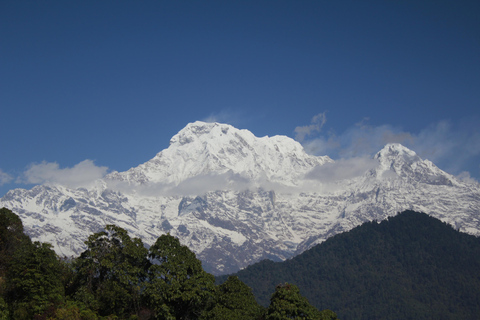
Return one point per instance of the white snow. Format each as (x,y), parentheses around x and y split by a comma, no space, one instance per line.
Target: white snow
(219,187)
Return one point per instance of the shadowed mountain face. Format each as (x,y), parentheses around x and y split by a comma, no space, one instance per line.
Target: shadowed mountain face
(235,199)
(411,266)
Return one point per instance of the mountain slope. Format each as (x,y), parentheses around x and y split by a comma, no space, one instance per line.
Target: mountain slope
(235,199)
(410,266)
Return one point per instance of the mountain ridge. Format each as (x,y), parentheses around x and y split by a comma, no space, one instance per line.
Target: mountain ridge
(410,266)
(202,148)
(235,199)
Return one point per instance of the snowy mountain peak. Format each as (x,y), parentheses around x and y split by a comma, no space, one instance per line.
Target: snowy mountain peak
(395,150)
(395,156)
(228,195)
(201,130)
(396,159)
(202,149)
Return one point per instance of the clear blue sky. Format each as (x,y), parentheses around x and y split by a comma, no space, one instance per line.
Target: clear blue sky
(113,81)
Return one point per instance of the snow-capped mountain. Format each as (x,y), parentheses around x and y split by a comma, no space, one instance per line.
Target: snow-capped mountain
(212,149)
(235,199)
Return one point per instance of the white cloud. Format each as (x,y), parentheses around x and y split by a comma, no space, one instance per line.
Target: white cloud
(210,182)
(82,174)
(465,177)
(448,146)
(5,178)
(357,141)
(224,116)
(342,169)
(190,187)
(316,125)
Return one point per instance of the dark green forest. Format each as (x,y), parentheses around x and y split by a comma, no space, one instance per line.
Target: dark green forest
(411,266)
(117,277)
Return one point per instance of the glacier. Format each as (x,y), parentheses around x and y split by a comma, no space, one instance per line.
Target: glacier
(234,198)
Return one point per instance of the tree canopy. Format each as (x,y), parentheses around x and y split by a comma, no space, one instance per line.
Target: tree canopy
(410,266)
(11,237)
(234,300)
(178,287)
(110,274)
(117,277)
(287,303)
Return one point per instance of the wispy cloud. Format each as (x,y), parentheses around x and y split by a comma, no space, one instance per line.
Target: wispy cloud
(224,116)
(211,182)
(196,185)
(342,169)
(449,146)
(82,174)
(316,125)
(357,141)
(466,177)
(5,178)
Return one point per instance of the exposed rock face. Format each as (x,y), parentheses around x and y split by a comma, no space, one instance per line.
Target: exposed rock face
(235,199)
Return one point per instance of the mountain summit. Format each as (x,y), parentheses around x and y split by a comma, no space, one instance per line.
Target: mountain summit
(395,159)
(217,149)
(235,199)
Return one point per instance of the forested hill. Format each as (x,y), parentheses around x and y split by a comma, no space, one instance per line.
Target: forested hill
(117,277)
(411,266)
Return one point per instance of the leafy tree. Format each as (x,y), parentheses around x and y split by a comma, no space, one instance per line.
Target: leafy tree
(73,310)
(234,300)
(33,284)
(178,287)
(11,237)
(287,303)
(111,272)
(3,309)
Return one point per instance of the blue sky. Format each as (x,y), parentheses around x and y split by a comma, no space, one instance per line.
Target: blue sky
(87,87)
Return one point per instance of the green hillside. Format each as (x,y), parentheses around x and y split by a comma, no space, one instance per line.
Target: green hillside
(411,266)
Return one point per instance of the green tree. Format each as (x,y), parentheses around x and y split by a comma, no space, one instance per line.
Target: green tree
(74,310)
(111,272)
(11,237)
(234,300)
(33,283)
(178,287)
(3,309)
(287,303)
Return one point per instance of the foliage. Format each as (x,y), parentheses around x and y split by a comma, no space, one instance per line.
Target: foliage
(3,309)
(11,237)
(111,272)
(411,266)
(178,287)
(74,310)
(33,284)
(287,303)
(116,277)
(235,301)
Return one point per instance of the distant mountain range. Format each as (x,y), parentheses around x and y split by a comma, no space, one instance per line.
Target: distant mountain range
(411,266)
(236,199)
